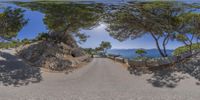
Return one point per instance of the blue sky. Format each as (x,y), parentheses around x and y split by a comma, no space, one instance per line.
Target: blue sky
(97,35)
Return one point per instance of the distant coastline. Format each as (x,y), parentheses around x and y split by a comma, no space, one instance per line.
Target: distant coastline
(130,53)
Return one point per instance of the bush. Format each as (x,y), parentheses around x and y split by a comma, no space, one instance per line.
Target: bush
(183,49)
(14,43)
(7,45)
(90,51)
(140,52)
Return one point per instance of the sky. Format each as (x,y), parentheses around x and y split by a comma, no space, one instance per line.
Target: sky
(97,34)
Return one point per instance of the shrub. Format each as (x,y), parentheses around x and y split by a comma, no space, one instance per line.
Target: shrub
(182,49)
(14,43)
(140,52)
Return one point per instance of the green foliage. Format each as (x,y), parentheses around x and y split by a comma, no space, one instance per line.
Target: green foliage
(42,36)
(82,37)
(11,44)
(90,51)
(181,37)
(137,19)
(11,22)
(99,49)
(183,49)
(26,41)
(190,23)
(140,52)
(105,45)
(160,19)
(66,19)
(14,43)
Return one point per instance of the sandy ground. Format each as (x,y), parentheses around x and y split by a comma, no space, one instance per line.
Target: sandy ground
(102,79)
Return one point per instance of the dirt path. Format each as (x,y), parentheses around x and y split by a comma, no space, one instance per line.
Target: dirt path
(102,79)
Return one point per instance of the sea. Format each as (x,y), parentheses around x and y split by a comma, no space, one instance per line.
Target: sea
(130,53)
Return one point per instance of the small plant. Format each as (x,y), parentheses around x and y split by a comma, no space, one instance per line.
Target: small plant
(140,52)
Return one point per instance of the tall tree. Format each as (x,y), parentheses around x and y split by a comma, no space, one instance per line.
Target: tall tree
(191,29)
(159,19)
(105,46)
(11,22)
(65,20)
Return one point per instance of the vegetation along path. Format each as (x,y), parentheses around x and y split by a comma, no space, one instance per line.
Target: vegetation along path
(102,79)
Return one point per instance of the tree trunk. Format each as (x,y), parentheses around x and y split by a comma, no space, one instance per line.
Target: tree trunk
(188,45)
(158,46)
(165,41)
(190,48)
(191,42)
(64,36)
(198,42)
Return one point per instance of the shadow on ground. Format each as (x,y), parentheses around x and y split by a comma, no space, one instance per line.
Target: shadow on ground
(170,77)
(13,71)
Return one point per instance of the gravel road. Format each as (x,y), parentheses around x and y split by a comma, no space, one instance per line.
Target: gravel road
(102,79)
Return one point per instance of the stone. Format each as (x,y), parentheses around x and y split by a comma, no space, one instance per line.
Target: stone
(77,52)
(50,55)
(56,64)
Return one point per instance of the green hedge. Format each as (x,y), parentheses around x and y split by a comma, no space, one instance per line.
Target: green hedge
(183,49)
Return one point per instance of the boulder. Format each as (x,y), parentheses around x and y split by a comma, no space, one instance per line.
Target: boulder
(77,52)
(56,64)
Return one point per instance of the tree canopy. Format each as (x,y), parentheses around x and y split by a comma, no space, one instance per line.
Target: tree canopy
(163,20)
(66,18)
(11,22)
(159,19)
(105,45)
(190,23)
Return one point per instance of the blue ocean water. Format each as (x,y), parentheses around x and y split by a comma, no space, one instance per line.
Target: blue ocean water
(130,53)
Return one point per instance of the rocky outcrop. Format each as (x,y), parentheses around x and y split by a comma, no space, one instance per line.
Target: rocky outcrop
(50,55)
(77,52)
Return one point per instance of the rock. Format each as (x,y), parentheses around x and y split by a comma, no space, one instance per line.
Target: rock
(56,64)
(50,55)
(77,52)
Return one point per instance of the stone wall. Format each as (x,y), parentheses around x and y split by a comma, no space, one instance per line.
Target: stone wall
(154,62)
(118,59)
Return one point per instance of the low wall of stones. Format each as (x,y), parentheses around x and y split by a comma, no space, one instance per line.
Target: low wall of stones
(161,61)
(118,59)
(154,62)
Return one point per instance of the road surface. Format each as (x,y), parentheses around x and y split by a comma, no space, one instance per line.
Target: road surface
(102,79)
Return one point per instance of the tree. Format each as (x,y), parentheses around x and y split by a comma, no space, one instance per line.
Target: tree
(90,51)
(140,52)
(65,20)
(98,49)
(158,18)
(105,46)
(191,29)
(11,22)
